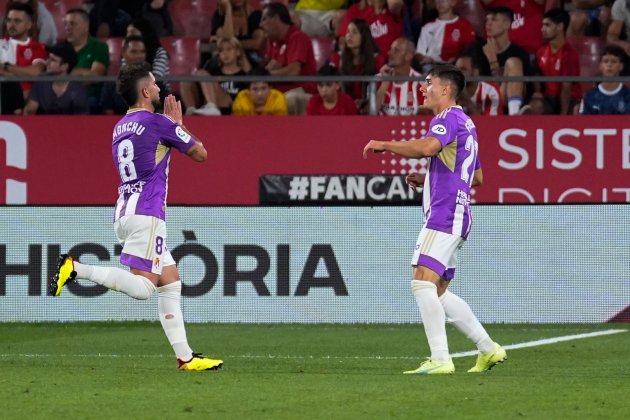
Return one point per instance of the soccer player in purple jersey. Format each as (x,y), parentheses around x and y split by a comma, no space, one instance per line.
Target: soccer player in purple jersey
(451,146)
(141,148)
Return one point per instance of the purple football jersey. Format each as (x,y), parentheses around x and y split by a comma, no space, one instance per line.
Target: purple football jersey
(446,195)
(141,148)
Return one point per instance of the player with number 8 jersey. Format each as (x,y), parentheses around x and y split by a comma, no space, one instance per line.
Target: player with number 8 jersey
(141,148)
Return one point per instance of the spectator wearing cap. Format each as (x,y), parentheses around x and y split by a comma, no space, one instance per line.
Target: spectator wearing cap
(58,97)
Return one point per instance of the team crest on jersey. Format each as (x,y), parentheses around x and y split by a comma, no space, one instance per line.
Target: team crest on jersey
(456,35)
(184,136)
(28,53)
(439,129)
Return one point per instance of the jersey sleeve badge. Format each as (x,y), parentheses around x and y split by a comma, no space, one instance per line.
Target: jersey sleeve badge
(182,135)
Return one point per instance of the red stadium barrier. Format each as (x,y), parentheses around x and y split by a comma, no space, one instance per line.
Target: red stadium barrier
(67,160)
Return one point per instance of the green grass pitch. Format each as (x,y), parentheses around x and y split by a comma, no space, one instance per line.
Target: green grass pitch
(127,370)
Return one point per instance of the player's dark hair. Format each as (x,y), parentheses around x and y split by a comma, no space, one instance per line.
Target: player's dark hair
(558,15)
(451,74)
(280,10)
(501,10)
(128,78)
(21,7)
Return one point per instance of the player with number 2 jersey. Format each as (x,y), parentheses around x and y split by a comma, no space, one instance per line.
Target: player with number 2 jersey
(451,146)
(446,194)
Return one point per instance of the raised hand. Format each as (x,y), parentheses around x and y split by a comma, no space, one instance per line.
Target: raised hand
(373,145)
(173,109)
(414,180)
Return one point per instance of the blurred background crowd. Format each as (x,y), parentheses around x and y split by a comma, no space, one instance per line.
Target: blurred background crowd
(326,38)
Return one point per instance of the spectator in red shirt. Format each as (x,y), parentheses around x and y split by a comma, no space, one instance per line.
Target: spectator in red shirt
(360,57)
(528,15)
(330,100)
(289,53)
(21,55)
(384,18)
(556,58)
(444,39)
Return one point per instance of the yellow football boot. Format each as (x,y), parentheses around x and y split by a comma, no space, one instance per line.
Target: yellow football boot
(198,363)
(433,367)
(65,273)
(486,361)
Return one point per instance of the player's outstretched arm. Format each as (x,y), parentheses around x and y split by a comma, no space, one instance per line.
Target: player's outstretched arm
(419,148)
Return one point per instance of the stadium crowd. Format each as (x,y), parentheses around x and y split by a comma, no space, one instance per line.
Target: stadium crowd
(322,38)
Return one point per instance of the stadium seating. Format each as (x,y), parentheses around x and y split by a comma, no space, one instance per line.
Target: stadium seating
(191,18)
(322,48)
(183,57)
(114,44)
(589,49)
(183,53)
(474,12)
(58,10)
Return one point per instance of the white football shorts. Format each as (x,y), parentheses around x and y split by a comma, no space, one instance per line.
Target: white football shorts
(144,243)
(437,251)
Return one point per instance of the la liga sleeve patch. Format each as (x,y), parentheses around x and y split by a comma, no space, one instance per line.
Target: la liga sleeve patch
(182,135)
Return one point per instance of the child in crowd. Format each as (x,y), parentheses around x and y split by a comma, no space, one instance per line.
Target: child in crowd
(608,97)
(259,99)
(330,100)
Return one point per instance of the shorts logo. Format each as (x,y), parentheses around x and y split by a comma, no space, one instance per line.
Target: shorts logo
(156,262)
(439,129)
(184,136)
